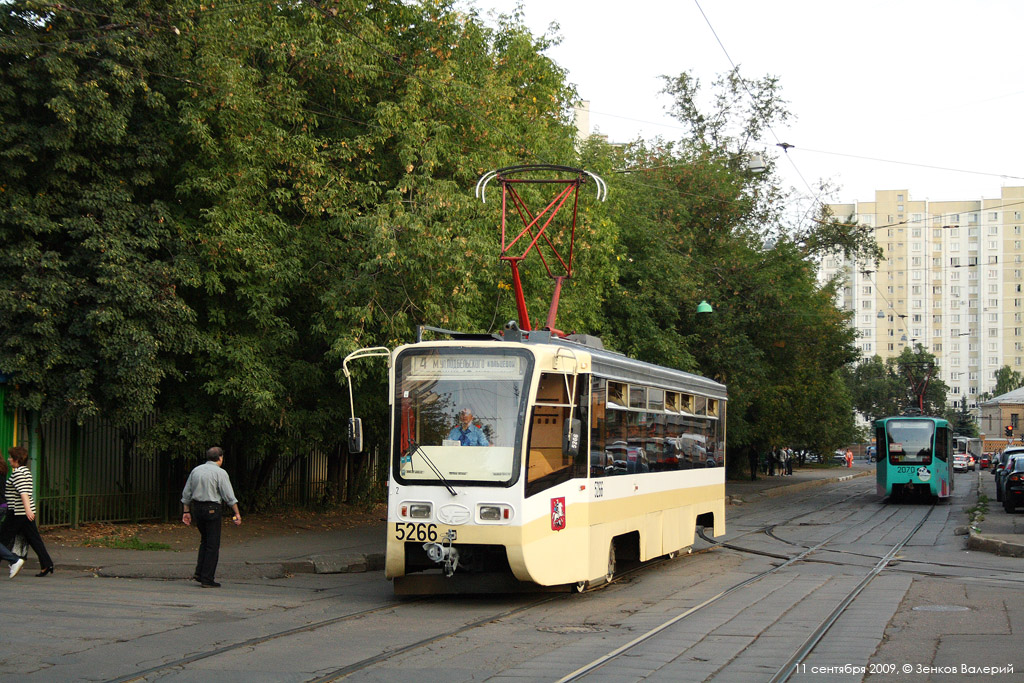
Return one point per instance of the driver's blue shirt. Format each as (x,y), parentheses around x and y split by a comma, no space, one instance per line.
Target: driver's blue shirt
(468,437)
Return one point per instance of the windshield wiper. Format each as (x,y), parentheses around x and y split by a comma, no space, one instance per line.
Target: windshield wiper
(413,448)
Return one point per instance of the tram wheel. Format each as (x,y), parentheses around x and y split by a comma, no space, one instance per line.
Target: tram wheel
(610,574)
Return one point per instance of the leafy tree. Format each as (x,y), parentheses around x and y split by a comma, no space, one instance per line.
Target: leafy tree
(888,388)
(921,388)
(1007,380)
(876,389)
(961,420)
(697,224)
(206,208)
(91,247)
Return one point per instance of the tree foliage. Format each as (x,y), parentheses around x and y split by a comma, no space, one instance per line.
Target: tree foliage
(906,381)
(1007,380)
(205,208)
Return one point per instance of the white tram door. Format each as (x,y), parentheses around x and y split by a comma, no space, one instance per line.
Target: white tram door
(556,527)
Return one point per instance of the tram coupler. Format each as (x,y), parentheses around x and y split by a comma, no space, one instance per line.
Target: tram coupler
(444,553)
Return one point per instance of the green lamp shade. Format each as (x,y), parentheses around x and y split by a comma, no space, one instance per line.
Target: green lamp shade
(704,307)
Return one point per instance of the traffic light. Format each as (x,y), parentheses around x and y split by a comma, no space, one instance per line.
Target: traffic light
(1009,432)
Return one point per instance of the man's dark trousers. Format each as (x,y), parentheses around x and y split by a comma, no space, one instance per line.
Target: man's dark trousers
(207,517)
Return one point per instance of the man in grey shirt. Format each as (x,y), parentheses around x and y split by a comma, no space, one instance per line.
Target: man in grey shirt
(207,489)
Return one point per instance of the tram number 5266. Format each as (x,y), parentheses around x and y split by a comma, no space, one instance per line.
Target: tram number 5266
(410,531)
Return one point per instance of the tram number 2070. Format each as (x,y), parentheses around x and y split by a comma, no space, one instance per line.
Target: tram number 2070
(410,531)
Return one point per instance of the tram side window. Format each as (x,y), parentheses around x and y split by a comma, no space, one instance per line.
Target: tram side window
(662,437)
(942,443)
(546,463)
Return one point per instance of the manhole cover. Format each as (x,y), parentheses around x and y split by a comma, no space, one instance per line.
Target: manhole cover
(570,629)
(941,608)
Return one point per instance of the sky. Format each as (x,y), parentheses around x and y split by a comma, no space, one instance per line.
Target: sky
(921,95)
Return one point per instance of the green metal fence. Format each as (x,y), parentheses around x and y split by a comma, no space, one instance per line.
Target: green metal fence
(91,473)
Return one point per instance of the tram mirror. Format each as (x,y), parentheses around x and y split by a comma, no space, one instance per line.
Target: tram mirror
(571,438)
(355,435)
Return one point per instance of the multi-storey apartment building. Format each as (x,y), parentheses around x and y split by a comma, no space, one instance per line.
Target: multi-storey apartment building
(950,280)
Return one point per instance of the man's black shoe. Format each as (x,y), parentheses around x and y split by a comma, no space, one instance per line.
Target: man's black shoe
(195,577)
(209,584)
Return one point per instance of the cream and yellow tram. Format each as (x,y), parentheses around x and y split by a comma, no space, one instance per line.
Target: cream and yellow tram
(533,460)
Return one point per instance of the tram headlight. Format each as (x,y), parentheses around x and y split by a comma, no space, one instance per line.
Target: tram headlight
(420,510)
(494,513)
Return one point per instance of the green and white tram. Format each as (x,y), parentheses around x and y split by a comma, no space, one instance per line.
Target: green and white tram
(914,457)
(582,459)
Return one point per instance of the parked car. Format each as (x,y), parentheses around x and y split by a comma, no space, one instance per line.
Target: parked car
(628,458)
(1013,483)
(999,460)
(961,462)
(1002,467)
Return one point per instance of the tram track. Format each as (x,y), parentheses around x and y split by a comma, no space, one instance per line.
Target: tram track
(813,638)
(250,642)
(621,577)
(368,662)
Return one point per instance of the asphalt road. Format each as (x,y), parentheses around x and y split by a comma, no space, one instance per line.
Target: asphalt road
(750,609)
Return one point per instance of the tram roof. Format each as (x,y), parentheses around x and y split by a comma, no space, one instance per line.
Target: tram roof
(610,364)
(939,421)
(620,367)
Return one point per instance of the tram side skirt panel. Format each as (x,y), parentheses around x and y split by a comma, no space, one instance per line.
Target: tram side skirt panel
(548,555)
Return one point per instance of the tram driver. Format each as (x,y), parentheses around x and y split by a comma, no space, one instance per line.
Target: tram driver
(466,433)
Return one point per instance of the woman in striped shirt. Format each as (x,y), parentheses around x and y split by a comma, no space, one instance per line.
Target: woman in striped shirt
(21,512)
(5,554)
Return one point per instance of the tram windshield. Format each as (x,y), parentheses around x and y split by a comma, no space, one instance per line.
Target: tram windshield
(910,441)
(458,413)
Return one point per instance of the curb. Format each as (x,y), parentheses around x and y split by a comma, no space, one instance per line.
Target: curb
(976,541)
(317,564)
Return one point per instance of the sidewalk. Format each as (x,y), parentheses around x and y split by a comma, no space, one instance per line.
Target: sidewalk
(1000,532)
(740,491)
(361,548)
